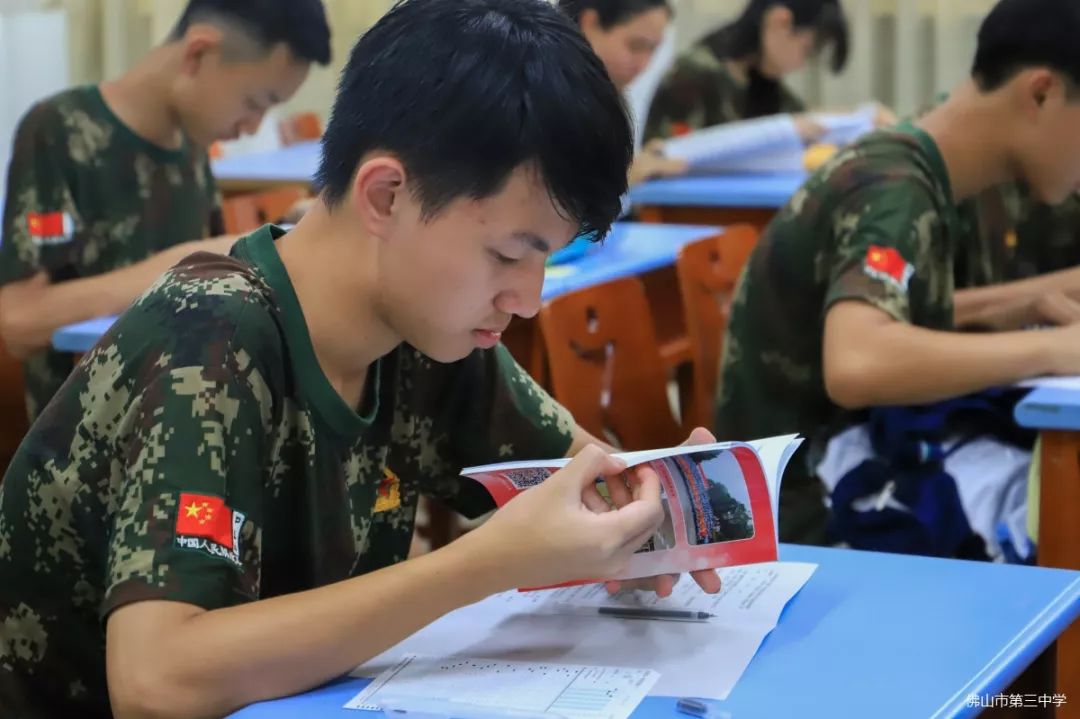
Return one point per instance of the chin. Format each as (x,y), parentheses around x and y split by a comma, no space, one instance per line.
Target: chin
(445,353)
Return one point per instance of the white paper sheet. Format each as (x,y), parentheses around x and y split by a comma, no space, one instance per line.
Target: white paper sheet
(573,691)
(694,659)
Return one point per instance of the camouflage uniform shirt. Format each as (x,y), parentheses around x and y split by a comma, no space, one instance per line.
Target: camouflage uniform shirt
(199,454)
(86,196)
(875,224)
(699,91)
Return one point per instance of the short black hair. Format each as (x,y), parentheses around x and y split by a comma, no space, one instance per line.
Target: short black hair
(300,24)
(463,92)
(1019,34)
(612,12)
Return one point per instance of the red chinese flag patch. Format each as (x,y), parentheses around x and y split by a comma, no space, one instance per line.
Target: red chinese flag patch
(46,224)
(202,515)
(886,264)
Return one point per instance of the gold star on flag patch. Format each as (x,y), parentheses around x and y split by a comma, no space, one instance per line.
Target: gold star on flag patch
(388,495)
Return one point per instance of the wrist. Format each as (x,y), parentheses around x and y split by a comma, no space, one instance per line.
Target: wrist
(484,561)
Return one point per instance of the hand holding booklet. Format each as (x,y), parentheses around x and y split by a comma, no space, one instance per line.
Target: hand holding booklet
(720,501)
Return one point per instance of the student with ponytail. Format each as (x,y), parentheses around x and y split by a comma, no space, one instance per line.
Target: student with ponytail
(737,72)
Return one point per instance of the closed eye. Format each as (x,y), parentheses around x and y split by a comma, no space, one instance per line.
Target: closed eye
(504,259)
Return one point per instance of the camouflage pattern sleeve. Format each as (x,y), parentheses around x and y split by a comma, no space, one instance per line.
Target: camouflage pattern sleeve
(697,92)
(41,221)
(188,518)
(888,238)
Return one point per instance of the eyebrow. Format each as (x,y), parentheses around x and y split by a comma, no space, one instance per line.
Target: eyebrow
(534,241)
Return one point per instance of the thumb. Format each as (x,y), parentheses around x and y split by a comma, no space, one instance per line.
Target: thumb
(699,435)
(586,466)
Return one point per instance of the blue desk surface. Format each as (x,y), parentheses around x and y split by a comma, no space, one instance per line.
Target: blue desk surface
(296,163)
(869,635)
(631,248)
(768,191)
(1049,408)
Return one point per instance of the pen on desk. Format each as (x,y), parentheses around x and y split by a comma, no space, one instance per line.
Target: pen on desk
(425,708)
(677,615)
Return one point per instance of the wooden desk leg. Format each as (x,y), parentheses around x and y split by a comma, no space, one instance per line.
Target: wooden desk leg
(1059,545)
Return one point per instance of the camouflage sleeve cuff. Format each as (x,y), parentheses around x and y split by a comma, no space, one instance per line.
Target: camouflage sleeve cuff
(197,591)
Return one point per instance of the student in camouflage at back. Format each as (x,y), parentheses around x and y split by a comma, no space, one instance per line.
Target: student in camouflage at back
(847,302)
(109,185)
(737,72)
(215,508)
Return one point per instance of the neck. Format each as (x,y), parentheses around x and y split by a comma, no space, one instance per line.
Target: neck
(141,98)
(333,272)
(974,140)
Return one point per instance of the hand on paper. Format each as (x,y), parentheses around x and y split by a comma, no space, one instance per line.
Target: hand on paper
(555,532)
(809,129)
(651,163)
(707,579)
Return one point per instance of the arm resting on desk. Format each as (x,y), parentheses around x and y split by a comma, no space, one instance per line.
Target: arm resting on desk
(170,659)
(32,309)
(974,304)
(871,359)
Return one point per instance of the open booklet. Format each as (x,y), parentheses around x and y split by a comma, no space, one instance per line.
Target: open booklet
(766,144)
(720,501)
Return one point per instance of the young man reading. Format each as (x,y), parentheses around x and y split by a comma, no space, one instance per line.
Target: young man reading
(109,185)
(847,302)
(217,506)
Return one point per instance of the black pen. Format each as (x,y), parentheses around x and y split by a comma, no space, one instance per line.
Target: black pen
(676,615)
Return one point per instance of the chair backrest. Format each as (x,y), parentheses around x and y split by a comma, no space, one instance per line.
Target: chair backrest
(708,272)
(300,127)
(244,213)
(605,365)
(12,408)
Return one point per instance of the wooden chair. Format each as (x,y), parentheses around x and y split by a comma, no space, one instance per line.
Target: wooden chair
(12,408)
(300,127)
(605,366)
(244,213)
(708,271)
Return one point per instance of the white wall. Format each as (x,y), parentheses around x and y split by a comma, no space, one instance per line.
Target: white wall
(30,67)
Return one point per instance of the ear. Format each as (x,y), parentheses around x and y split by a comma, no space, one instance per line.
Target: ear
(590,21)
(198,42)
(1036,86)
(378,193)
(778,17)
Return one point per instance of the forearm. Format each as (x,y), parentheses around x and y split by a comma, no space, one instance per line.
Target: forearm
(898,364)
(291,643)
(972,302)
(29,326)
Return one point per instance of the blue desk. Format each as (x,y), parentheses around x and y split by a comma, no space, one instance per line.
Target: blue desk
(82,336)
(715,200)
(877,635)
(291,165)
(768,191)
(1055,412)
(631,248)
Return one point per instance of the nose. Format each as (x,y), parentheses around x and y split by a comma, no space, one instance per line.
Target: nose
(522,298)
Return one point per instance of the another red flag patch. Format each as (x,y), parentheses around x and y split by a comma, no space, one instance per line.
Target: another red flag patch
(204,517)
(49,228)
(888,265)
